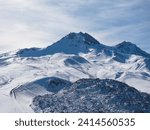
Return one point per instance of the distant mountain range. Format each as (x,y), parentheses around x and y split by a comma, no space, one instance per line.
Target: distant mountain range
(33,78)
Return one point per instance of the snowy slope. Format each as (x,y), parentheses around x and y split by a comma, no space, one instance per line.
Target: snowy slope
(25,73)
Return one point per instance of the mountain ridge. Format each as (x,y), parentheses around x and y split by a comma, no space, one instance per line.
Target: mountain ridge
(130,48)
(75,43)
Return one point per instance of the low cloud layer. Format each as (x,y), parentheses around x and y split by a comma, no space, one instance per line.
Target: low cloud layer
(38,23)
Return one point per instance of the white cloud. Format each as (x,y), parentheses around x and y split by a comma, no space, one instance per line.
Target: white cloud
(28,23)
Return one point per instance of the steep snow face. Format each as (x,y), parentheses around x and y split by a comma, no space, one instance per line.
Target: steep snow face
(73,43)
(94,95)
(24,94)
(41,86)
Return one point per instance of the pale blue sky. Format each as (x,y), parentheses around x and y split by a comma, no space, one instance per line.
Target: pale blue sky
(38,23)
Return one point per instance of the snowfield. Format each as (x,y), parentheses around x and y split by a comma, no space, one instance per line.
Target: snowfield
(28,73)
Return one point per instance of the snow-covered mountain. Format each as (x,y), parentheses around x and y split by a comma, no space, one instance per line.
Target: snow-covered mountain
(130,48)
(27,73)
(73,43)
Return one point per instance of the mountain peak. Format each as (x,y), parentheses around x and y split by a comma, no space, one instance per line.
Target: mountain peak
(73,43)
(82,37)
(125,44)
(130,48)
(73,35)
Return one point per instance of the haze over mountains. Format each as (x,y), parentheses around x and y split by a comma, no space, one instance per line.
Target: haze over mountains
(27,73)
